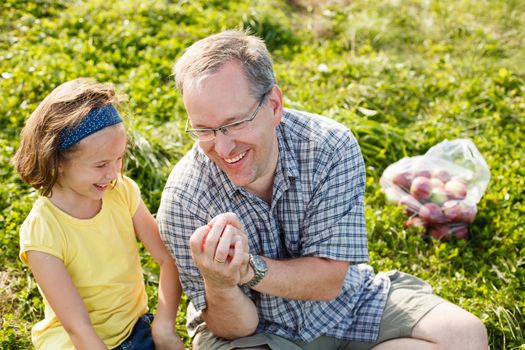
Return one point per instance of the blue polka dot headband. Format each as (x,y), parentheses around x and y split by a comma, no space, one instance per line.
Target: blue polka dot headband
(97,119)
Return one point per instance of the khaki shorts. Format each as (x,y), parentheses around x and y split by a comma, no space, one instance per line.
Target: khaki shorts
(408,294)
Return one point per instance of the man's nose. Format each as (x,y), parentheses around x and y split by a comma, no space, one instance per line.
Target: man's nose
(223,144)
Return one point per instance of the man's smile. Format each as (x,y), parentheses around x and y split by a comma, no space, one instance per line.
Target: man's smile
(235,159)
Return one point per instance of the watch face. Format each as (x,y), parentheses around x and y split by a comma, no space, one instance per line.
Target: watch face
(258,263)
(260,268)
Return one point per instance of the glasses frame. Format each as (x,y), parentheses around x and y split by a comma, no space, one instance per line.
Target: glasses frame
(224,128)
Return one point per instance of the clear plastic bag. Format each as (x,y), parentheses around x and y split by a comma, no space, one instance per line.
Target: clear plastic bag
(440,189)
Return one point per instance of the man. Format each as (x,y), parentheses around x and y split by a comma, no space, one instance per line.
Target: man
(282,263)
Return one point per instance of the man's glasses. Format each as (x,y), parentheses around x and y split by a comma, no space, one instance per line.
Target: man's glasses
(209,134)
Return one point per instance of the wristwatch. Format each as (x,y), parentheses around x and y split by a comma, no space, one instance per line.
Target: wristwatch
(259,267)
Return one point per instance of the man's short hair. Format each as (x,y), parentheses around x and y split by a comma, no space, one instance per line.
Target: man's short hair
(208,55)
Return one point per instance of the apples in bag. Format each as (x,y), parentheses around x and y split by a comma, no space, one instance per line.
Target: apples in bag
(440,189)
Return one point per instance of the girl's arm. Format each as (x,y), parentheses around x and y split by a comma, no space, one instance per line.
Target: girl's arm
(59,290)
(170,290)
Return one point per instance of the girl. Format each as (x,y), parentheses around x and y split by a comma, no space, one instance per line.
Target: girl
(80,237)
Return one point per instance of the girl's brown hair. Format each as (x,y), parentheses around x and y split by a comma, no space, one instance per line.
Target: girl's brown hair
(38,157)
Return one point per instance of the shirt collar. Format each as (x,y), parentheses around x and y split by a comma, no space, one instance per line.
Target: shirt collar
(287,161)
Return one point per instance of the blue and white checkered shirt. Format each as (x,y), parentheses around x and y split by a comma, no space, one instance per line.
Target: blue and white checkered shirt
(317,210)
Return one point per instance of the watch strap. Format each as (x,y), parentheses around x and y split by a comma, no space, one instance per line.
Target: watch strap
(258,273)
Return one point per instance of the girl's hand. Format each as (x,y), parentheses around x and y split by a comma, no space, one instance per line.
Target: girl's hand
(165,337)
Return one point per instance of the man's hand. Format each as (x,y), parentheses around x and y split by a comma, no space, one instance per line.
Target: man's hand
(220,251)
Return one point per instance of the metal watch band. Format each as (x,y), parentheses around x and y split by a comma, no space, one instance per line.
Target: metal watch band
(260,269)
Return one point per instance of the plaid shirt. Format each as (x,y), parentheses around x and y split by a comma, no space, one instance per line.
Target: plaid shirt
(317,210)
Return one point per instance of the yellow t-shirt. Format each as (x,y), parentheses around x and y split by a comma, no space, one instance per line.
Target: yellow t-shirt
(102,257)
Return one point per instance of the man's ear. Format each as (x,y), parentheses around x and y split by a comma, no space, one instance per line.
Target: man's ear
(275,99)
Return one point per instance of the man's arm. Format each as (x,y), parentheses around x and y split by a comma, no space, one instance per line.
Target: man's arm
(227,311)
(306,278)
(221,254)
(230,313)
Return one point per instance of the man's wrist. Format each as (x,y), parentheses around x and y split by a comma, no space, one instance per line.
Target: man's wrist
(260,269)
(250,273)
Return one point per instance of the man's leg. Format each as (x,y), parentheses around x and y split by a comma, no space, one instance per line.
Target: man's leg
(415,318)
(206,340)
(446,326)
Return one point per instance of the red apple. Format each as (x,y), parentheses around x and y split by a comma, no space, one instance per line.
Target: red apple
(456,189)
(435,182)
(452,210)
(459,210)
(424,173)
(460,179)
(431,214)
(403,179)
(468,212)
(463,234)
(441,232)
(421,188)
(441,174)
(414,221)
(460,231)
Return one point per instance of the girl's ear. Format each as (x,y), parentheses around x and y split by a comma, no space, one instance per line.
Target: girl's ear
(60,167)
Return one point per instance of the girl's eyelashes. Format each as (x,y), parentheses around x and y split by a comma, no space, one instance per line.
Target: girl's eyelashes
(101,165)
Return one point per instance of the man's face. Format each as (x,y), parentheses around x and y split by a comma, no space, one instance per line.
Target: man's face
(248,156)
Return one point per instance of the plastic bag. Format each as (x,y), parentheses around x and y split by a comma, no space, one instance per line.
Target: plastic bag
(440,189)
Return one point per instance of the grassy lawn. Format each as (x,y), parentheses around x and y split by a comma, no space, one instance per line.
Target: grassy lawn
(403,75)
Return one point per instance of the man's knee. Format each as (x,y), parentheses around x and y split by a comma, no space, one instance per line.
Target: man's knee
(473,327)
(451,327)
(469,333)
(463,323)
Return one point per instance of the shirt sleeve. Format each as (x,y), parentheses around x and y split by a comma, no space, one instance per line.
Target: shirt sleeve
(39,234)
(335,225)
(129,192)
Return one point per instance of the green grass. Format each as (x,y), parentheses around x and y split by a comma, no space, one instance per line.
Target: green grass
(403,75)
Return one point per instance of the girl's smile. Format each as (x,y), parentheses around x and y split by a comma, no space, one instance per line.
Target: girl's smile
(89,170)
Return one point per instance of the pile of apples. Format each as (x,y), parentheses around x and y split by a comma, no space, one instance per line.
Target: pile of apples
(435,200)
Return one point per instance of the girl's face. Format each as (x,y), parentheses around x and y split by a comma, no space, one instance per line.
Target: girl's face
(87,173)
